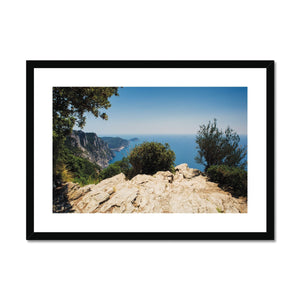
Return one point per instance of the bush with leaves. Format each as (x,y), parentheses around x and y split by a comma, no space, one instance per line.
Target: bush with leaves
(151,157)
(231,179)
(121,166)
(219,148)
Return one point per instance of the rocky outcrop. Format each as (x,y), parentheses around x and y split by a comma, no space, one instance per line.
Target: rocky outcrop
(186,191)
(93,148)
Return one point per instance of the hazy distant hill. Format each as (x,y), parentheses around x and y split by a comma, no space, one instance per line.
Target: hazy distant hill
(116,143)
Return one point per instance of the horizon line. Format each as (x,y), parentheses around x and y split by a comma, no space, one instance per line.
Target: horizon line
(115,134)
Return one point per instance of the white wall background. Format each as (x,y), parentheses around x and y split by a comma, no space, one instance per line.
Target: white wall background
(153,30)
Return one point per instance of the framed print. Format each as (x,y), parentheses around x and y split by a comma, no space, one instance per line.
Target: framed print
(150,150)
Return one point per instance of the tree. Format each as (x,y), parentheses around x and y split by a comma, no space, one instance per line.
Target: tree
(219,148)
(151,157)
(71,103)
(69,107)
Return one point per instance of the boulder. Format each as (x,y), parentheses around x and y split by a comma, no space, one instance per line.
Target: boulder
(187,172)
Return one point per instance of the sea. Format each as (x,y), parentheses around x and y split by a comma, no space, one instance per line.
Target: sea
(184,147)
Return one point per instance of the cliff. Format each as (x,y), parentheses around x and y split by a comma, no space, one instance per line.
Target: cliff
(186,191)
(91,146)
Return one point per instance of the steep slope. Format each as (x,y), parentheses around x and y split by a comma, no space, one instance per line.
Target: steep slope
(93,148)
(188,191)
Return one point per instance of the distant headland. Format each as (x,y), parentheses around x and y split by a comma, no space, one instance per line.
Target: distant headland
(117,143)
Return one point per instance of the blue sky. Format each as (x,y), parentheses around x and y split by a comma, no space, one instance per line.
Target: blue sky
(171,110)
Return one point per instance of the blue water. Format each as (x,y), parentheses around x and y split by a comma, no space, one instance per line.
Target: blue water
(184,147)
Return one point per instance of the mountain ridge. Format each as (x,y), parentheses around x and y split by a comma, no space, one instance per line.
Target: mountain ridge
(91,146)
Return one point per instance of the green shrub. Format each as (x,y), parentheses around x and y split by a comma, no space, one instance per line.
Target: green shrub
(124,165)
(151,157)
(110,171)
(232,179)
(121,166)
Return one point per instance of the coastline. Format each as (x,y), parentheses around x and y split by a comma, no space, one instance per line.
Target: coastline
(117,149)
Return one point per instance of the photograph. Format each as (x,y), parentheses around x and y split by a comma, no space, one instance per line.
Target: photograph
(181,148)
(148,149)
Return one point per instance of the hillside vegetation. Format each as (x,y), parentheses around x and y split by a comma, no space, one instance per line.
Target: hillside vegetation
(74,168)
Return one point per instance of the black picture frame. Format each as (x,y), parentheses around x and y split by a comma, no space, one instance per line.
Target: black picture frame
(31,234)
